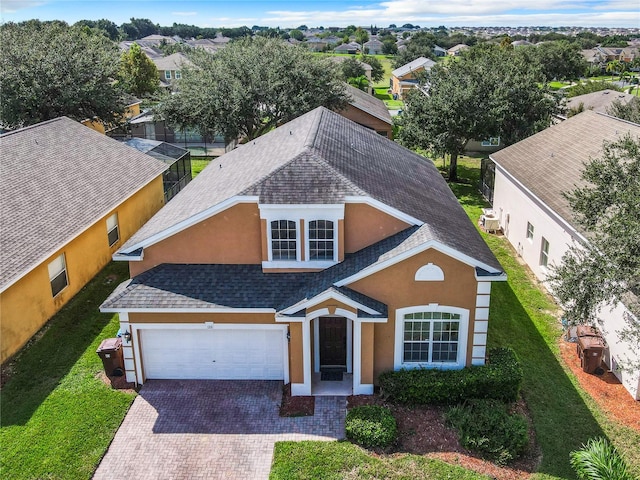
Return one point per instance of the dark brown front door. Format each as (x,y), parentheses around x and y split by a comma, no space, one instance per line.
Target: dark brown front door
(333,341)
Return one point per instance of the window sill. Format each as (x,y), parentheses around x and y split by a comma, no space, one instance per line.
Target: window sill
(288,264)
(431,366)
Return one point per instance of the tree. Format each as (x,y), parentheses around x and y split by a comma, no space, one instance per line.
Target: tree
(420,45)
(50,69)
(486,93)
(297,34)
(361,36)
(629,111)
(377,69)
(591,86)
(252,86)
(138,74)
(351,68)
(606,269)
(361,82)
(561,60)
(389,47)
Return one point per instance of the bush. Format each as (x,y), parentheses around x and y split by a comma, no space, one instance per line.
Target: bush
(599,460)
(487,427)
(371,426)
(500,379)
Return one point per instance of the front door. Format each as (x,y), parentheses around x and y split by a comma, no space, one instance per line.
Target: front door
(333,341)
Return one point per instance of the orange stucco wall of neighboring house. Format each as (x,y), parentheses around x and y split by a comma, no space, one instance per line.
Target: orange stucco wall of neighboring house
(397,87)
(395,286)
(367,120)
(28,303)
(233,236)
(130,111)
(365,225)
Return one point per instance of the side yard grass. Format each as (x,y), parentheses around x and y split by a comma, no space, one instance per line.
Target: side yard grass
(58,416)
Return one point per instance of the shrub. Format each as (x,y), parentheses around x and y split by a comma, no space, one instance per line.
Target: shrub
(500,379)
(487,427)
(371,426)
(599,460)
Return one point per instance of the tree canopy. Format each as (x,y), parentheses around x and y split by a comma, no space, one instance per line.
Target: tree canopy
(487,92)
(251,86)
(607,267)
(138,73)
(50,69)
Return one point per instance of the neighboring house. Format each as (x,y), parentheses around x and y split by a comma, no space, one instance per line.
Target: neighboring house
(351,48)
(131,110)
(206,44)
(530,178)
(151,52)
(521,43)
(457,50)
(373,47)
(599,101)
(318,245)
(170,67)
(316,44)
(488,145)
(146,126)
(405,78)
(156,40)
(594,58)
(70,198)
(367,69)
(178,175)
(439,51)
(368,111)
(610,54)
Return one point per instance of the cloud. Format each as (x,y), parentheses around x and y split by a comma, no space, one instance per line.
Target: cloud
(12,6)
(184,14)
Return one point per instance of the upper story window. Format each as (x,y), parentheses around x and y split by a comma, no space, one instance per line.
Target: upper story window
(178,75)
(284,240)
(58,274)
(544,252)
(302,236)
(113,232)
(167,74)
(321,240)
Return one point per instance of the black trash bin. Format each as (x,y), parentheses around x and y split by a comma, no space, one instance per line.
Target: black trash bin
(110,351)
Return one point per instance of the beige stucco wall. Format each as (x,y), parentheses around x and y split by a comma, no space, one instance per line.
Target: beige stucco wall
(28,303)
(363,118)
(395,286)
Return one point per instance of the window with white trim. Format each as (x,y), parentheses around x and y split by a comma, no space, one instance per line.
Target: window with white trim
(284,243)
(529,231)
(113,232)
(321,240)
(544,252)
(178,75)
(491,142)
(58,274)
(167,74)
(431,337)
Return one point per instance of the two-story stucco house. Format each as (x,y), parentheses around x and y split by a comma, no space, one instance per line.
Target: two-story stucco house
(70,198)
(319,245)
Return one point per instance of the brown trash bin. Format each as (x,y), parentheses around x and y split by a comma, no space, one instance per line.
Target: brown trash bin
(110,351)
(590,348)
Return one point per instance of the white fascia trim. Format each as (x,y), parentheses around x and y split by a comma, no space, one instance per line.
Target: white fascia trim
(550,212)
(186,223)
(394,212)
(329,295)
(127,258)
(188,310)
(496,278)
(207,326)
(283,319)
(294,264)
(410,253)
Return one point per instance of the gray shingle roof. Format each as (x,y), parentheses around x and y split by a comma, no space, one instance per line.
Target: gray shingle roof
(417,64)
(599,101)
(369,104)
(175,61)
(551,161)
(321,157)
(58,178)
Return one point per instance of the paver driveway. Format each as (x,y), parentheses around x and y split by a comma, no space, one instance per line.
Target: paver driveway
(211,429)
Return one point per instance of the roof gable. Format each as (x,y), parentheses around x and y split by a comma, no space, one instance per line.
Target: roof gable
(417,64)
(59,178)
(368,104)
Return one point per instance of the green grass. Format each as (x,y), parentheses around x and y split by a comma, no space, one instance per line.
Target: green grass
(523,317)
(339,460)
(198,164)
(57,418)
(382,94)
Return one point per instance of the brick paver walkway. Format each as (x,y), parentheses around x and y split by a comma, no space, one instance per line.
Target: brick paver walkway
(211,429)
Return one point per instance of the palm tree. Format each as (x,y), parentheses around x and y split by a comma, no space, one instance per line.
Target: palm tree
(361,82)
(613,67)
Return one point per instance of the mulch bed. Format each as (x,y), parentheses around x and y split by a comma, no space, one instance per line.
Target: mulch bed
(422,431)
(296,406)
(117,383)
(606,389)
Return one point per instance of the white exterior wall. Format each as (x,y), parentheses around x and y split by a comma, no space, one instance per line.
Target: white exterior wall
(515,206)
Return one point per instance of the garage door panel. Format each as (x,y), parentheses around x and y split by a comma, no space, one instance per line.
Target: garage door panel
(223,354)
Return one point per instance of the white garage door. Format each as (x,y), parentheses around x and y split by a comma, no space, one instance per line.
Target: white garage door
(220,354)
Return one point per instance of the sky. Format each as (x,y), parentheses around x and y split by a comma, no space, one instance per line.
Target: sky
(338,13)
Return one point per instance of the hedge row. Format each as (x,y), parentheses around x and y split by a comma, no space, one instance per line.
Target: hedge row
(500,379)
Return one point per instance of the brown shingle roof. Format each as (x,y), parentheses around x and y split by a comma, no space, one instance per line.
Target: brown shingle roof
(551,161)
(58,178)
(368,104)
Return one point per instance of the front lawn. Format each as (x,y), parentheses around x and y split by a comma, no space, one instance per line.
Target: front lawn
(338,460)
(58,415)
(381,93)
